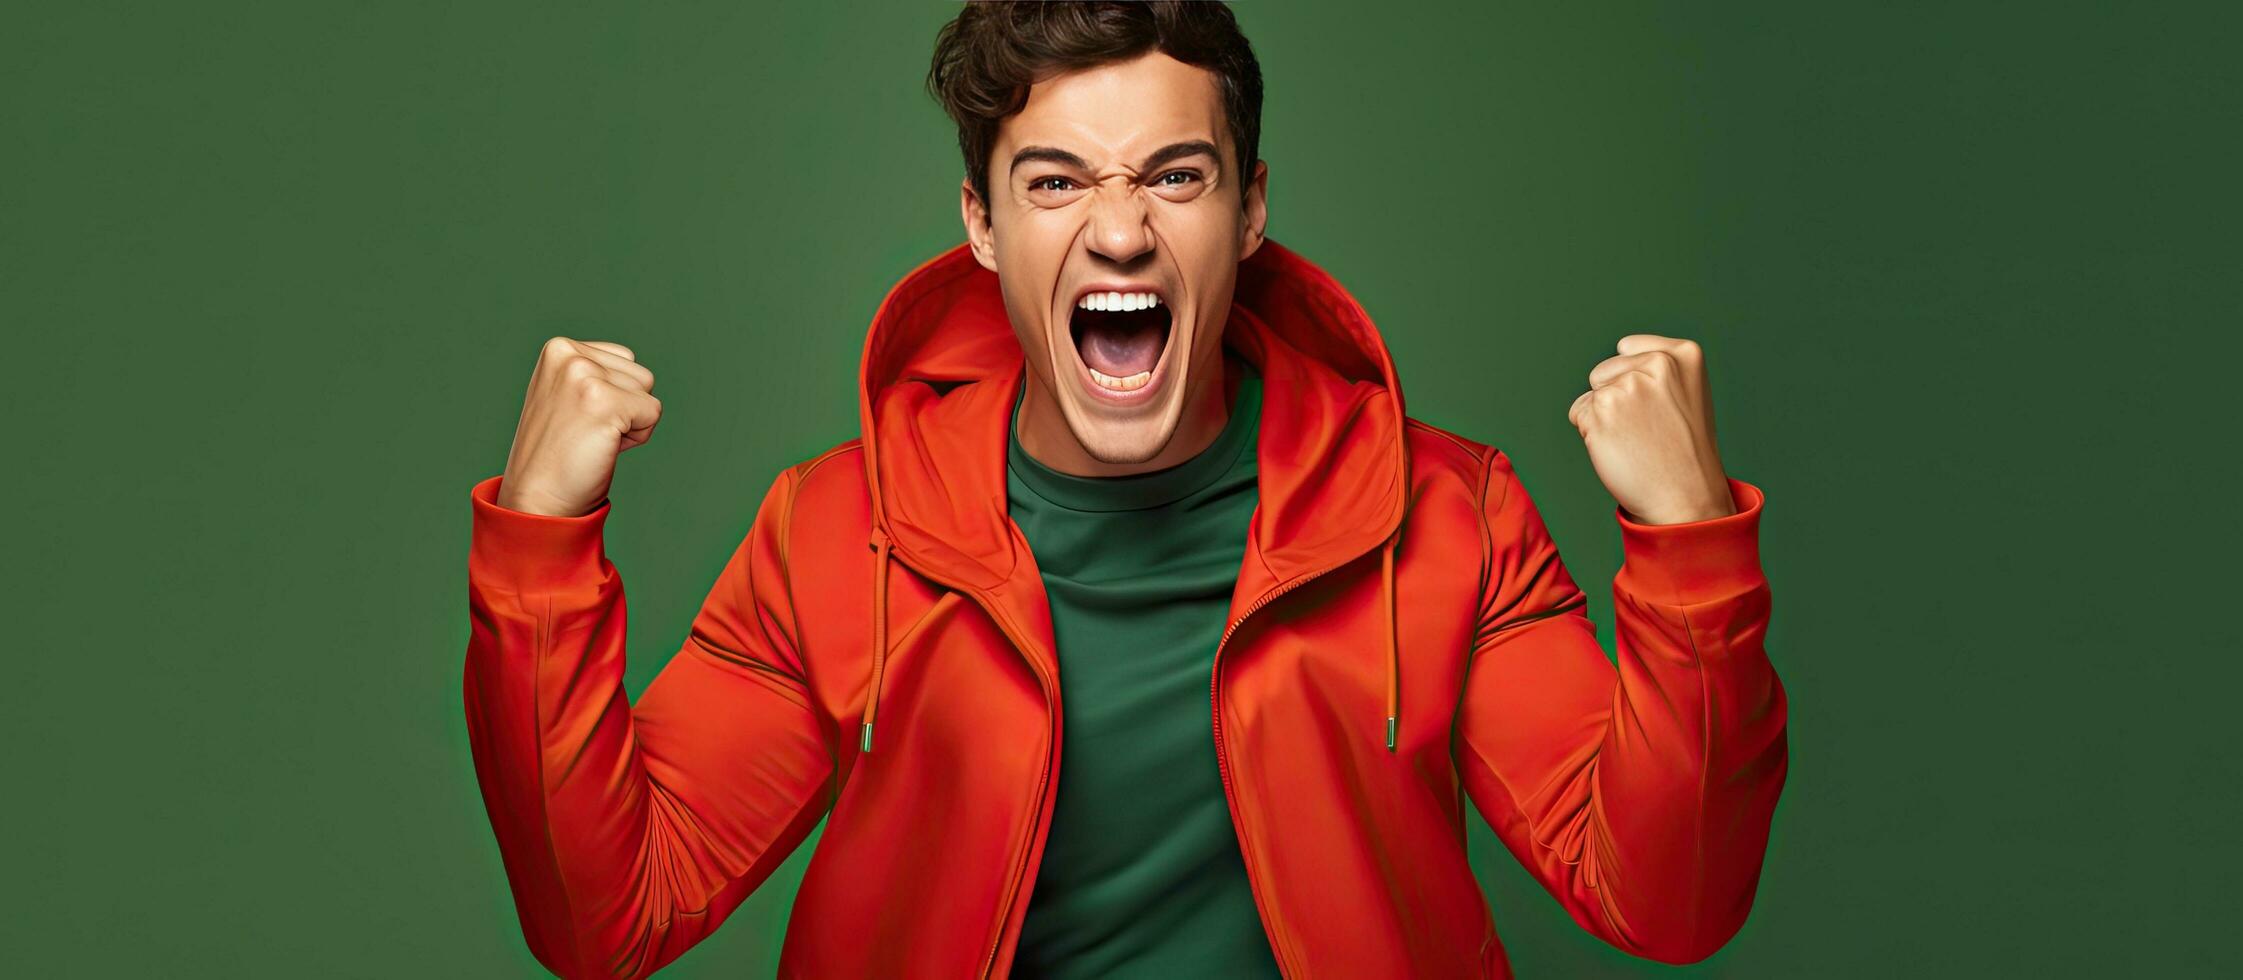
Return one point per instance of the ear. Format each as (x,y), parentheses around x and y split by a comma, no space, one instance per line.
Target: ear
(979,234)
(1257,210)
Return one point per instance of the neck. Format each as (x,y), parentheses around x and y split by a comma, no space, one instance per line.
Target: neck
(1045,436)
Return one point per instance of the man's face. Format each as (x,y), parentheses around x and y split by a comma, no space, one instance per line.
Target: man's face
(1115,227)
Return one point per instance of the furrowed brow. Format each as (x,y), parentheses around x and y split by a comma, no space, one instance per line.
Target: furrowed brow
(1178,151)
(1160,157)
(1048,154)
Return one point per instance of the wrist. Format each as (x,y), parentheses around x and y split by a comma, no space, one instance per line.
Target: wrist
(525,498)
(1705,507)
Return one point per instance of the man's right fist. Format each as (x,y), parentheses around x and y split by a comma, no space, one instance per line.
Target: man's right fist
(589,401)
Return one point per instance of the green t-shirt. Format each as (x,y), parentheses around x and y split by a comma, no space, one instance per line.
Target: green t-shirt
(1141,874)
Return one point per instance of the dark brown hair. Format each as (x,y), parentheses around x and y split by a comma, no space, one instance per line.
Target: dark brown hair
(986,59)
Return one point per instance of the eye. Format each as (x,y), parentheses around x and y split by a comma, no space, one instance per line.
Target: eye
(1165,181)
(1050,184)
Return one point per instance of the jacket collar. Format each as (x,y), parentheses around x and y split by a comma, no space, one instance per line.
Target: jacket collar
(942,368)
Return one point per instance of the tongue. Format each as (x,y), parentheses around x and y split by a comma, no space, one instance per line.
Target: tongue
(1122,344)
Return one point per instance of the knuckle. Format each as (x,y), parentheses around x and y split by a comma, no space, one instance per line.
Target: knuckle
(590,389)
(576,369)
(557,347)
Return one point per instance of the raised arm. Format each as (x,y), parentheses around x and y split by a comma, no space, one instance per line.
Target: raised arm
(1639,796)
(628,833)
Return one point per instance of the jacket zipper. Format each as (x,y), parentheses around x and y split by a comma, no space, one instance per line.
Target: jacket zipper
(1222,762)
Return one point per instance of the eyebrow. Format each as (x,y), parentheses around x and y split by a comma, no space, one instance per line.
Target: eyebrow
(1173,151)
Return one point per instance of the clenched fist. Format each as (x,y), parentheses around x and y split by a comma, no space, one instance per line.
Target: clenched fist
(1648,422)
(589,400)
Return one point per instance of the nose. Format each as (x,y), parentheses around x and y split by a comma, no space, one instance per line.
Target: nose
(1118,228)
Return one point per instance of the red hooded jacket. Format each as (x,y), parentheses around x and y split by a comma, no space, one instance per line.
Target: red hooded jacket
(878,651)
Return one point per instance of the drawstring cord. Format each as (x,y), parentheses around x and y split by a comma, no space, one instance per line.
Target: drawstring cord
(879,630)
(1393,647)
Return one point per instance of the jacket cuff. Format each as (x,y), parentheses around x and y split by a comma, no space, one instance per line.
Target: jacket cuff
(1694,561)
(527,553)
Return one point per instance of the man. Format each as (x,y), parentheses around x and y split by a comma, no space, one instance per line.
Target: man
(1116,449)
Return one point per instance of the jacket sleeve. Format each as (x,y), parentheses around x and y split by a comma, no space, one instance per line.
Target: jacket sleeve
(1639,795)
(629,833)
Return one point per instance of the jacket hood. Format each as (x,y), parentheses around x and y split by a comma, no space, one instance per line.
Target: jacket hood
(936,387)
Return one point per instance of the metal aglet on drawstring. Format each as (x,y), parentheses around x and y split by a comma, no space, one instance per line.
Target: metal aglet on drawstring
(879,632)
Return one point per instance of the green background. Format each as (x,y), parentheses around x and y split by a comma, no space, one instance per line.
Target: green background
(273,277)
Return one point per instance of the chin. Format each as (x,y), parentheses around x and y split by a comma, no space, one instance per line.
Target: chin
(1120,434)
(1119,360)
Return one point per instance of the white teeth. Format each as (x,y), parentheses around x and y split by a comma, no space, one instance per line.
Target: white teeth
(1118,301)
(1131,383)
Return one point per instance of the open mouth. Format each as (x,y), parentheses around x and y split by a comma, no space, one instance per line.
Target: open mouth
(1120,337)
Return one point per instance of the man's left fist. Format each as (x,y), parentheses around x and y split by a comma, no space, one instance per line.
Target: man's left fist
(1648,421)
